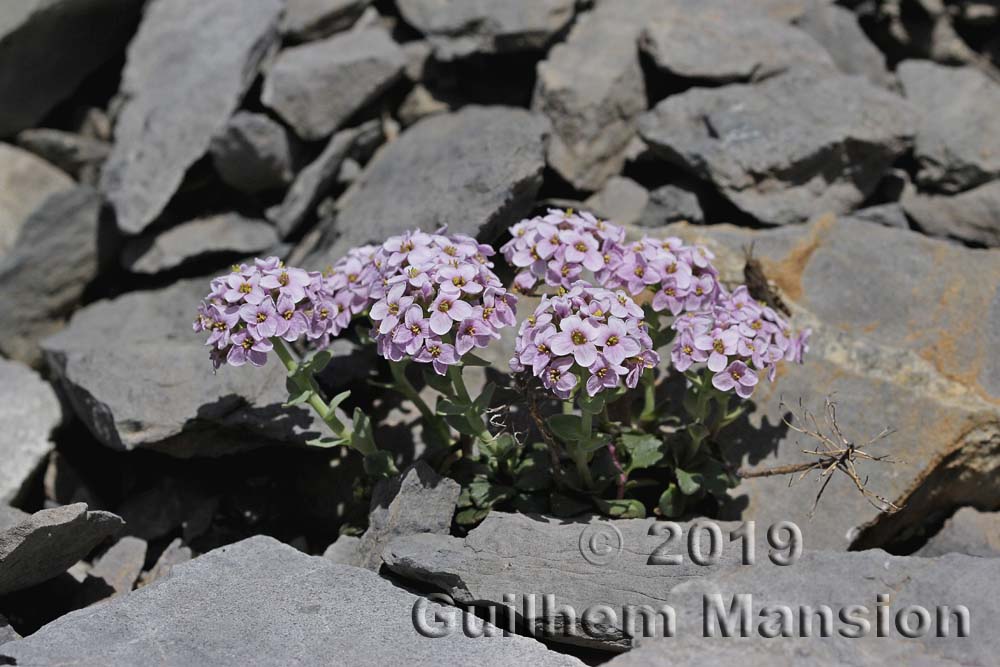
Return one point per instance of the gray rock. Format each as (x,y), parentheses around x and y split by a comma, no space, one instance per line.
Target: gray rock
(418,501)
(494,158)
(305,20)
(254,153)
(29,411)
(219,236)
(591,88)
(459,28)
(725,42)
(60,250)
(972,215)
(344,550)
(671,203)
(316,180)
(79,156)
(48,47)
(115,572)
(259,601)
(789,148)
(968,532)
(837,29)
(25,182)
(188,68)
(116,380)
(163,508)
(577,561)
(175,554)
(904,329)
(621,200)
(48,542)
(958,140)
(890,215)
(510,559)
(940,586)
(317,86)
(420,103)
(7,633)
(10,516)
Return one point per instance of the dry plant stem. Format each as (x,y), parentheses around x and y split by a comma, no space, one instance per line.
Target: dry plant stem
(834,454)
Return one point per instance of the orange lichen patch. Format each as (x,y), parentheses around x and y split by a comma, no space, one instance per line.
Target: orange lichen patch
(787,272)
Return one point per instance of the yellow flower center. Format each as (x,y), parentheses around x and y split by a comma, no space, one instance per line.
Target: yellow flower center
(612,340)
(578,338)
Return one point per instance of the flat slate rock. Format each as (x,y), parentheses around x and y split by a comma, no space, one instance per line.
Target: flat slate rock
(219,236)
(939,587)
(905,330)
(591,88)
(972,215)
(305,20)
(175,554)
(958,141)
(26,181)
(726,42)
(140,379)
(317,179)
(512,559)
(671,203)
(40,292)
(115,572)
(968,532)
(7,633)
(317,86)
(890,215)
(621,201)
(49,542)
(29,411)
(789,148)
(254,153)
(418,501)
(494,158)
(459,28)
(838,30)
(78,155)
(48,47)
(260,601)
(583,562)
(188,67)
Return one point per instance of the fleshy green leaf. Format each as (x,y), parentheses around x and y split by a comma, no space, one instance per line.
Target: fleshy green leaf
(339,398)
(627,508)
(326,442)
(566,427)
(644,450)
(448,407)
(472,360)
(299,398)
(689,482)
(672,502)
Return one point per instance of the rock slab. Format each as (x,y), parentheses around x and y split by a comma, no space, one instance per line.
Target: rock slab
(60,250)
(259,601)
(49,542)
(789,148)
(254,153)
(26,182)
(48,47)
(188,67)
(29,411)
(139,378)
(968,532)
(494,158)
(317,86)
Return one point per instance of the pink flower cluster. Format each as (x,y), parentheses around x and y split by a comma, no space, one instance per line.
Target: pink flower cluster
(681,277)
(588,333)
(738,339)
(257,302)
(557,247)
(437,299)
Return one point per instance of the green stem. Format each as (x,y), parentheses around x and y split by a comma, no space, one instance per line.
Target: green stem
(579,454)
(462,395)
(649,397)
(315,400)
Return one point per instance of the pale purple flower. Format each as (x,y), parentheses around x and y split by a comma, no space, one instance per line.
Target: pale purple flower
(616,341)
(576,337)
(439,354)
(248,349)
(471,333)
(738,376)
(558,377)
(603,375)
(288,281)
(261,319)
(243,287)
(447,309)
(720,344)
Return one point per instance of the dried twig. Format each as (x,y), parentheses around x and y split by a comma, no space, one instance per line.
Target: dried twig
(835,452)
